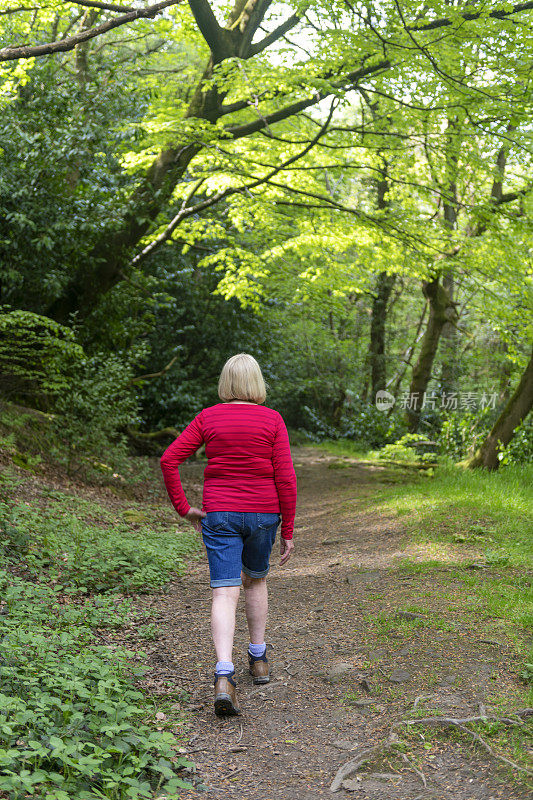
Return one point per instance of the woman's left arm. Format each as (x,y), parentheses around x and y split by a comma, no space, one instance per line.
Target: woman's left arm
(181,448)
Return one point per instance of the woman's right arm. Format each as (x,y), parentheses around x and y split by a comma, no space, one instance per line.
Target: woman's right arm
(181,448)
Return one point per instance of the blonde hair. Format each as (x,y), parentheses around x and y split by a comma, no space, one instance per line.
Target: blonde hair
(241,379)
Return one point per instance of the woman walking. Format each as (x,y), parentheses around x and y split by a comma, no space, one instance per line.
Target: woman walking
(249,488)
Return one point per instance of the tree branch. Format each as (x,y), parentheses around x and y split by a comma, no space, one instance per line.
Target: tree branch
(238,131)
(18,9)
(249,21)
(244,130)
(185,211)
(167,233)
(442,23)
(31,51)
(104,6)
(328,203)
(425,52)
(276,34)
(153,374)
(209,27)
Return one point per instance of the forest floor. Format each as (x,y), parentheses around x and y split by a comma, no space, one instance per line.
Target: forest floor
(360,641)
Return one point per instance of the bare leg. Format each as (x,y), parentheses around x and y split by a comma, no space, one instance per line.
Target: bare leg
(256,605)
(224,605)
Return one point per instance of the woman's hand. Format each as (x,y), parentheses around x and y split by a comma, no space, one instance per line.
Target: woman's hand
(286,546)
(194,515)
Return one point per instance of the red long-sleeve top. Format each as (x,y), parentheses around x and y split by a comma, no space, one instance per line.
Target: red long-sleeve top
(249,464)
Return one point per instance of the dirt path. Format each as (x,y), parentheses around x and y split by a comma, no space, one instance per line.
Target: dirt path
(336,685)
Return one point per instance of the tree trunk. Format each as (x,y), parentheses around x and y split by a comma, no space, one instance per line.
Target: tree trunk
(441,310)
(107,260)
(453,146)
(377,331)
(505,375)
(503,430)
(395,382)
(72,176)
(380,301)
(449,345)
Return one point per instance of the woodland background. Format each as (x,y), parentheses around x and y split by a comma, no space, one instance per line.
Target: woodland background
(342,190)
(345,191)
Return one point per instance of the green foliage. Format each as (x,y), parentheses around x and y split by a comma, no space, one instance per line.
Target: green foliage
(60,143)
(407,449)
(527,673)
(202,330)
(15,541)
(36,355)
(90,398)
(365,424)
(98,403)
(461,433)
(520,448)
(315,426)
(92,558)
(72,723)
(25,434)
(361,424)
(301,252)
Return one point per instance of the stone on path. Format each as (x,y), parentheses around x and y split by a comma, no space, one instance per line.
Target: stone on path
(408,615)
(400,675)
(337,671)
(343,744)
(351,786)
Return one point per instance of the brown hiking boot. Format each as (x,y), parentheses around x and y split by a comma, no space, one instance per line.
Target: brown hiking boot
(259,668)
(225,699)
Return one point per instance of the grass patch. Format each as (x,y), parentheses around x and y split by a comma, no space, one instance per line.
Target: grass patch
(342,447)
(424,744)
(480,526)
(493,512)
(459,608)
(398,452)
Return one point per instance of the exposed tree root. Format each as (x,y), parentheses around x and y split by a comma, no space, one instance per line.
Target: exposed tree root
(366,753)
(461,724)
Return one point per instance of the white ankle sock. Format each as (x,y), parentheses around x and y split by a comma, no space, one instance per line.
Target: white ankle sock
(257,650)
(224,667)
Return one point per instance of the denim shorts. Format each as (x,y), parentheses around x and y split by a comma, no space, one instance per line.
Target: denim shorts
(238,540)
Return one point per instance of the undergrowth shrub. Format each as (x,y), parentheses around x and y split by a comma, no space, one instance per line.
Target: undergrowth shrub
(72,723)
(409,448)
(461,434)
(89,400)
(366,424)
(520,448)
(316,427)
(361,423)
(92,414)
(92,557)
(35,356)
